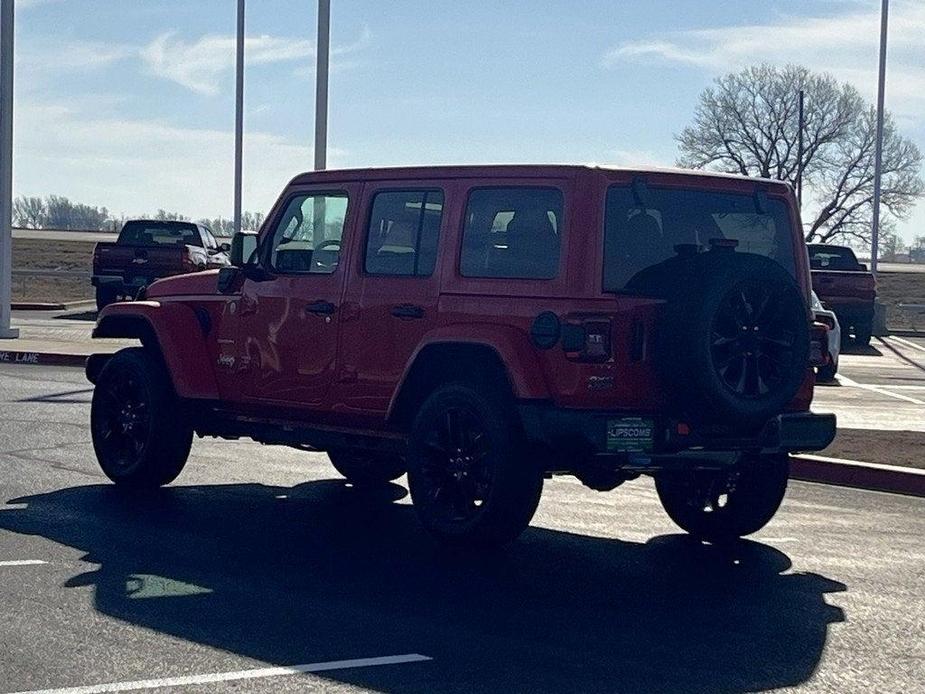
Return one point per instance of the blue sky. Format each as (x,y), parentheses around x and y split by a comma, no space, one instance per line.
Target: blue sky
(129,103)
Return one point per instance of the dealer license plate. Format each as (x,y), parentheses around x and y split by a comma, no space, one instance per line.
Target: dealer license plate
(630,435)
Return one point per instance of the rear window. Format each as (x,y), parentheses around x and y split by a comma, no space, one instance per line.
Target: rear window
(644,227)
(832,258)
(159,234)
(512,233)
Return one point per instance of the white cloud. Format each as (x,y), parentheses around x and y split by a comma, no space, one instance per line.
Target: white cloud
(201,65)
(137,166)
(72,55)
(845,45)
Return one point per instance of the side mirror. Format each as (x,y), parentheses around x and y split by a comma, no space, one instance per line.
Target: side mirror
(243,245)
(224,247)
(862,267)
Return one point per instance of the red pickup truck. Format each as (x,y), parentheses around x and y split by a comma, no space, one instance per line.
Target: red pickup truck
(845,286)
(483,328)
(147,250)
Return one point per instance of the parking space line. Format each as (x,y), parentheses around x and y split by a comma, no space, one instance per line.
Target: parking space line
(22,562)
(907,343)
(845,381)
(258,673)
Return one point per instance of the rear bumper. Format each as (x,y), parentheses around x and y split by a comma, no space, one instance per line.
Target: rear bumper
(852,312)
(582,433)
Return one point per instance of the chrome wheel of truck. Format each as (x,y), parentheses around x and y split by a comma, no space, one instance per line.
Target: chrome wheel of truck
(139,435)
(724,505)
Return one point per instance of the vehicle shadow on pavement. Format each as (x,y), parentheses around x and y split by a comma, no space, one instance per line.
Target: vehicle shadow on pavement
(323,571)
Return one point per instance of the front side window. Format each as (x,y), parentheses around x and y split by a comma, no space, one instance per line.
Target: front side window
(644,228)
(307,237)
(513,233)
(404,228)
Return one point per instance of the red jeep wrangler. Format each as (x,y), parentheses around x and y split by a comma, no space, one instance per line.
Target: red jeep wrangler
(482,328)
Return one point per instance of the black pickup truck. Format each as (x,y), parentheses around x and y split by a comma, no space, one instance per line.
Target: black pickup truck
(147,250)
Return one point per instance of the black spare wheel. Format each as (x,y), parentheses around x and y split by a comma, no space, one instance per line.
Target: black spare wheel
(733,345)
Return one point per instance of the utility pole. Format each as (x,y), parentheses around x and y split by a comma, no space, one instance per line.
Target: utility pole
(6,169)
(238,117)
(321,84)
(802,125)
(878,153)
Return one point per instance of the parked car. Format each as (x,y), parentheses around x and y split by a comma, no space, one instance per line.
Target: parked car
(846,286)
(147,250)
(483,328)
(829,367)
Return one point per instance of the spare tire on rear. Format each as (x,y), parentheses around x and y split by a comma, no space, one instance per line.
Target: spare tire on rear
(733,345)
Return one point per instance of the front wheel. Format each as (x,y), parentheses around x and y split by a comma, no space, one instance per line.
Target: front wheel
(469,477)
(723,505)
(139,433)
(367,469)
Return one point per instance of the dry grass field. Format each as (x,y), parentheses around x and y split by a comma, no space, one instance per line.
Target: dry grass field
(73,256)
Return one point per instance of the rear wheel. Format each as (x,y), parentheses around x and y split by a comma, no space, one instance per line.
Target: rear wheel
(827,373)
(469,477)
(862,334)
(139,434)
(364,468)
(724,505)
(105,296)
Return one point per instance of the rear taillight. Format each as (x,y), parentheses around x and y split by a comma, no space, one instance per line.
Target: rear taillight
(819,345)
(587,340)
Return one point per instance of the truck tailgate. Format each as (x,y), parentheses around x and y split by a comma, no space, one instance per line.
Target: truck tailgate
(844,284)
(141,261)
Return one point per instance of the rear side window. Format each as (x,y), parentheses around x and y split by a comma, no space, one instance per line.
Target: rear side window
(513,233)
(142,233)
(403,232)
(646,227)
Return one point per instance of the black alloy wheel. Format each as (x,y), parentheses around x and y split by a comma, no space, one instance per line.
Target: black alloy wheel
(469,476)
(141,434)
(752,340)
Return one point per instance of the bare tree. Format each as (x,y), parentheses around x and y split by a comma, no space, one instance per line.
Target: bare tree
(748,123)
(29,213)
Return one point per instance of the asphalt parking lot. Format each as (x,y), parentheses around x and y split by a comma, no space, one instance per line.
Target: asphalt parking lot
(260,558)
(881,387)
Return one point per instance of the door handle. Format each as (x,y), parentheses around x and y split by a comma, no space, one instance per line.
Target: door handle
(321,308)
(407,311)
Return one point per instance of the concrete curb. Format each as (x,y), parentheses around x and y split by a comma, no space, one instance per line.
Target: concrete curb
(46,306)
(853,473)
(41,358)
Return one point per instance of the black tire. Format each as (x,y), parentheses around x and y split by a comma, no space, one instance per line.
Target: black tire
(105,296)
(721,506)
(733,342)
(367,469)
(469,476)
(140,436)
(862,334)
(825,374)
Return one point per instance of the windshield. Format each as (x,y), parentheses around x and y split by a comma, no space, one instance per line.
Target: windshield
(159,234)
(647,226)
(832,258)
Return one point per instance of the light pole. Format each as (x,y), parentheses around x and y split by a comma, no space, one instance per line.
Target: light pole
(238,116)
(6,168)
(321,84)
(878,152)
